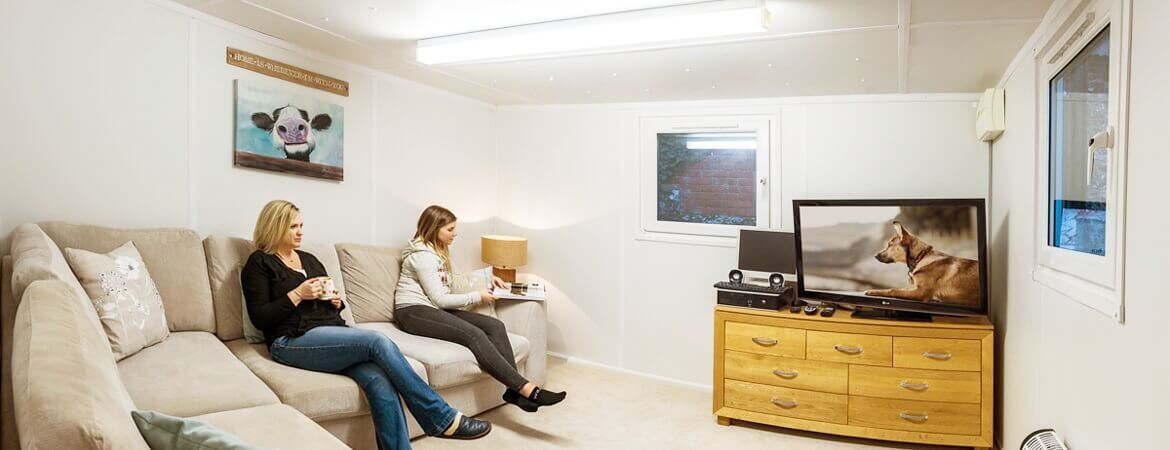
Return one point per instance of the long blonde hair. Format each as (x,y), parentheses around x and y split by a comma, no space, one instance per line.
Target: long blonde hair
(433,219)
(273,224)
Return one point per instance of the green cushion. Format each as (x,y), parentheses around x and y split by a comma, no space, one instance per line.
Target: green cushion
(163,432)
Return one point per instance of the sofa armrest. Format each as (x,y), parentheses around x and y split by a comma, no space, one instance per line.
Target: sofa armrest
(66,388)
(529,319)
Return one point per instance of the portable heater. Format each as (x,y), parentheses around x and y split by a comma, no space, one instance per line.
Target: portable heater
(1043,440)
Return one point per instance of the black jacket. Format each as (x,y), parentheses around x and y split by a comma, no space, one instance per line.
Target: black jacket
(267,282)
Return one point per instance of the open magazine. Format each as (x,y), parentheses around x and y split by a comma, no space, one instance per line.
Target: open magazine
(521,291)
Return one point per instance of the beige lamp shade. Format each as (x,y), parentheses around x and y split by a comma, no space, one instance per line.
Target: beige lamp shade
(504,251)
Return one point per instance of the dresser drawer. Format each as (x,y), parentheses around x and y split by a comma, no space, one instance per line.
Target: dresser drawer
(780,401)
(908,415)
(849,348)
(941,354)
(786,372)
(915,384)
(768,340)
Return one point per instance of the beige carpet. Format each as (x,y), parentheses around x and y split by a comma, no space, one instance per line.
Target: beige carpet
(608,409)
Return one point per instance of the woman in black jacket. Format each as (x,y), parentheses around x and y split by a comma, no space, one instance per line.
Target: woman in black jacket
(302,324)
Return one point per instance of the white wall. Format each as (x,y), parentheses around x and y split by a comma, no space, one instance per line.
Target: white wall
(120,112)
(1099,383)
(568,182)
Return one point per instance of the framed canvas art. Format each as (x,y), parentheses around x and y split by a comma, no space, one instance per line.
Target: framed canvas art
(280,130)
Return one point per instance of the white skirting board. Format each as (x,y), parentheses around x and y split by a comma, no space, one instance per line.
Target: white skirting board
(576,360)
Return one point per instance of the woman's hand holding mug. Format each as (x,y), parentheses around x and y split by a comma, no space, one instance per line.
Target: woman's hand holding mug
(311,289)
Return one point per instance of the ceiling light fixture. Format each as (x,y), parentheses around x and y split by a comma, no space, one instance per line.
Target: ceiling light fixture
(623,31)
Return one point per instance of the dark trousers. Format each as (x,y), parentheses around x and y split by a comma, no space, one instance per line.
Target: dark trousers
(485,336)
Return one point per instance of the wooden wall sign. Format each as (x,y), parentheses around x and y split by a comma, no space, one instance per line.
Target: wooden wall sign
(272,68)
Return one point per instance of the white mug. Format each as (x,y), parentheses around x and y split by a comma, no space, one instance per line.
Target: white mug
(327,286)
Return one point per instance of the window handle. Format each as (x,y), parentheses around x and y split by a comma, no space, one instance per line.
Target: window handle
(1103,140)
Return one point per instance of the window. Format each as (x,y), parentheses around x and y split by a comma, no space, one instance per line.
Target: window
(1081,174)
(703,177)
(1079,108)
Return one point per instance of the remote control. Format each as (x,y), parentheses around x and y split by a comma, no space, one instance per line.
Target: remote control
(828,311)
(810,309)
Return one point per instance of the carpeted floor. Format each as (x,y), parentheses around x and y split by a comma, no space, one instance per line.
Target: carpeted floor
(608,409)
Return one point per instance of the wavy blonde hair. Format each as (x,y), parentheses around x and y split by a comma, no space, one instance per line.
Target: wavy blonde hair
(272,225)
(433,219)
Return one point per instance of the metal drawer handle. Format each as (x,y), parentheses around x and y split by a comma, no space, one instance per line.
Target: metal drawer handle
(767,342)
(785,375)
(848,349)
(916,418)
(786,404)
(937,356)
(914,386)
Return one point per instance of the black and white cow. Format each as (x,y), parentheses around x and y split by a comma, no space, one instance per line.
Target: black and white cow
(292,131)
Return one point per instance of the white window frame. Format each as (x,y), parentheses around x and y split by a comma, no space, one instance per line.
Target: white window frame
(1095,281)
(649,227)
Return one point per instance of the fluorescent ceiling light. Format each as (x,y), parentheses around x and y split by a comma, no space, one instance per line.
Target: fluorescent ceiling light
(655,27)
(721,145)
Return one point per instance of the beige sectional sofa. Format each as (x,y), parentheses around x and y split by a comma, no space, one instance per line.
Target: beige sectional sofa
(62,387)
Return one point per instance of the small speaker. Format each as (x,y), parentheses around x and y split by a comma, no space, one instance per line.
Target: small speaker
(776,280)
(735,276)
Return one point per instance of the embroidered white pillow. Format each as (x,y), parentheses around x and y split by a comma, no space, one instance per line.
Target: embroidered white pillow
(124,295)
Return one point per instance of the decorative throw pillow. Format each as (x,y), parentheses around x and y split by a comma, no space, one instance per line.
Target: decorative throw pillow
(251,334)
(124,295)
(473,281)
(174,433)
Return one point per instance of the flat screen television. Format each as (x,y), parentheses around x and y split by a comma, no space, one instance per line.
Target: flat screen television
(917,255)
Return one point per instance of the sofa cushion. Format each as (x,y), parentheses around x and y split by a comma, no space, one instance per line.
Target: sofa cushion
(191,373)
(176,261)
(65,384)
(225,255)
(371,272)
(124,296)
(319,395)
(447,363)
(37,257)
(176,433)
(273,426)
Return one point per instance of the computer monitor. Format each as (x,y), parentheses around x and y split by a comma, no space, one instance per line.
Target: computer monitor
(764,251)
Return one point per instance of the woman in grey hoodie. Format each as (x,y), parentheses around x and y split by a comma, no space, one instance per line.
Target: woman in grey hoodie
(424,305)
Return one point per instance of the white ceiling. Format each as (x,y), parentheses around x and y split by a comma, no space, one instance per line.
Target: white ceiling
(815,47)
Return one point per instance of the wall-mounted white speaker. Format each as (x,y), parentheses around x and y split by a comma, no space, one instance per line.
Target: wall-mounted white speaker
(989,115)
(1043,440)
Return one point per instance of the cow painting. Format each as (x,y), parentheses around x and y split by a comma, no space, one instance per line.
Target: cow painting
(286,131)
(291,130)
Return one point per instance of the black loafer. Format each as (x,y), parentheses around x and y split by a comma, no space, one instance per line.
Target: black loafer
(469,428)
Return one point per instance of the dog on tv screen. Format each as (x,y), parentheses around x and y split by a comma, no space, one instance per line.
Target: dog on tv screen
(921,253)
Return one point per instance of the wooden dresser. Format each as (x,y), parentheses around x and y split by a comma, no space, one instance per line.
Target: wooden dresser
(924,382)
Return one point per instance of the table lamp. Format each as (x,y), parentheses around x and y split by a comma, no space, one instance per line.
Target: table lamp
(504,253)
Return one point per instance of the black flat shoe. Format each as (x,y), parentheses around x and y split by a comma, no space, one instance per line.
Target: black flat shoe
(514,397)
(469,428)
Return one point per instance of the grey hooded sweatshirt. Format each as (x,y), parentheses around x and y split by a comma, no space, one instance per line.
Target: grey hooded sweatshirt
(424,281)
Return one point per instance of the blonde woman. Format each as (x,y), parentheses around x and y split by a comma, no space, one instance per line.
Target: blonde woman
(304,329)
(424,305)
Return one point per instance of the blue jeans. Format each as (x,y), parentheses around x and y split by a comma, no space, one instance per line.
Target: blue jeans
(376,364)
